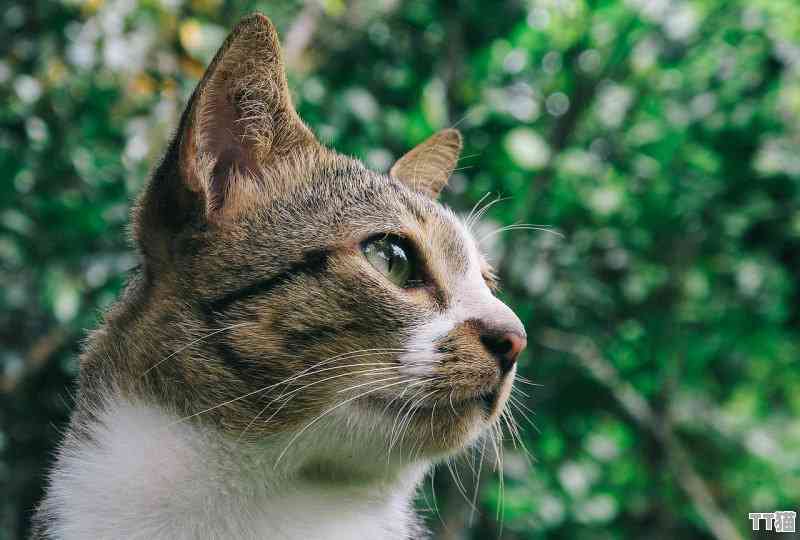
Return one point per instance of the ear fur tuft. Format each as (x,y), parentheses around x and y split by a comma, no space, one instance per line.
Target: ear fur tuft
(241,118)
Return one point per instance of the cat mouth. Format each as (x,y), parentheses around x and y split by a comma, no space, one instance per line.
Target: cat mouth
(486,400)
(441,425)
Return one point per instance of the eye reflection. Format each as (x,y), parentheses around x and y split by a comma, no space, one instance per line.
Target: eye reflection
(393,258)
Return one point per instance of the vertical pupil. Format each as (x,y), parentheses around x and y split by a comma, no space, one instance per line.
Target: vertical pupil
(390,255)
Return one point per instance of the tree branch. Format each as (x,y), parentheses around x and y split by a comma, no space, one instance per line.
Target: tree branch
(590,358)
(300,32)
(36,358)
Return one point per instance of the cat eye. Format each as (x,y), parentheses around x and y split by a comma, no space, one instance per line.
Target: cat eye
(392,257)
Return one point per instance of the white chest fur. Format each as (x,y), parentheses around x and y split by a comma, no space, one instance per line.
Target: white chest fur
(144,476)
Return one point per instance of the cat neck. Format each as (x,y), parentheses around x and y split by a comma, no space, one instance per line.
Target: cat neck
(136,472)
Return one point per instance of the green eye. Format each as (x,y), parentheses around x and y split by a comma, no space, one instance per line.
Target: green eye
(391,256)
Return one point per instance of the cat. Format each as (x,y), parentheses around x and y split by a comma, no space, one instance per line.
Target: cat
(303,340)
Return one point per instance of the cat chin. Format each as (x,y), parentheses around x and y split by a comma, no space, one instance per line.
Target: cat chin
(436,431)
(456,432)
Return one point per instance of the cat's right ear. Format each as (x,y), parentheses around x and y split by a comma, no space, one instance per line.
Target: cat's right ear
(240,124)
(427,167)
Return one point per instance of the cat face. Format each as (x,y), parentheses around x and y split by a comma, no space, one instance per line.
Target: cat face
(333,293)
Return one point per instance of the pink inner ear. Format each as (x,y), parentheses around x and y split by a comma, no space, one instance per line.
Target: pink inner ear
(241,121)
(225,138)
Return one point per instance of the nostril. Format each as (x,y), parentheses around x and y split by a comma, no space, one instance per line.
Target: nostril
(497,344)
(504,347)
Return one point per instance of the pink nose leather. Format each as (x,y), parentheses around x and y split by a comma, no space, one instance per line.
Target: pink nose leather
(505,347)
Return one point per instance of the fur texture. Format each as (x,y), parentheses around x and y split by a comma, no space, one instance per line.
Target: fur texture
(259,378)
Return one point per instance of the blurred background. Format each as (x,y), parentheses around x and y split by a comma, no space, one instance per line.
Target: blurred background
(661,138)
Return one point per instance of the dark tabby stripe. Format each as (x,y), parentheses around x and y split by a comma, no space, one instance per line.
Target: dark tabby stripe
(300,340)
(313,262)
(241,365)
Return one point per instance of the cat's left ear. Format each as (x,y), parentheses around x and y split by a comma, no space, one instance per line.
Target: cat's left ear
(427,167)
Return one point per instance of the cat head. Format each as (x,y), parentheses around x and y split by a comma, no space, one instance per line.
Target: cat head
(310,290)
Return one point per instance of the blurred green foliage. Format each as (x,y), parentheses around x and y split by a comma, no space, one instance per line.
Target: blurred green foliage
(660,137)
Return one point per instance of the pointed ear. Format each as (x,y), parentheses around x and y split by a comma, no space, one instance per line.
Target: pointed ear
(236,135)
(427,167)
(240,120)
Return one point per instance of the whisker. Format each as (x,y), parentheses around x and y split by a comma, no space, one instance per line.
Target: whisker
(415,408)
(516,227)
(194,342)
(521,404)
(502,499)
(363,384)
(433,413)
(467,156)
(354,354)
(477,217)
(265,388)
(477,485)
(525,452)
(450,399)
(399,412)
(468,219)
(521,408)
(458,482)
(518,390)
(297,390)
(330,410)
(504,419)
(435,501)
(286,402)
(394,437)
(514,424)
(525,380)
(429,507)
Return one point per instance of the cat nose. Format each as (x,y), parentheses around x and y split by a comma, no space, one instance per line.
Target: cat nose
(505,346)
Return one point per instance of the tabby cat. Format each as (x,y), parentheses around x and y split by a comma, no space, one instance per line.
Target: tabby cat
(303,340)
